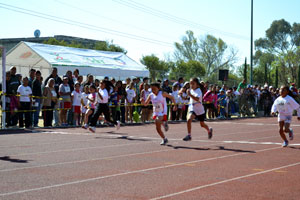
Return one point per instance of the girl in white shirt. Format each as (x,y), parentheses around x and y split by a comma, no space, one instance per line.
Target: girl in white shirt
(24,103)
(76,102)
(84,102)
(158,99)
(102,108)
(285,105)
(130,97)
(145,109)
(196,109)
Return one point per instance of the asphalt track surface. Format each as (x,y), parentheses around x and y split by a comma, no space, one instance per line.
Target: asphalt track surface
(244,160)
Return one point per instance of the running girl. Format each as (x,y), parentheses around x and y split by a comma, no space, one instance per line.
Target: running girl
(90,105)
(196,109)
(158,99)
(102,108)
(285,105)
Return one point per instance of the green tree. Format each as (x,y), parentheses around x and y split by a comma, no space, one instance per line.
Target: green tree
(282,42)
(158,69)
(212,52)
(187,70)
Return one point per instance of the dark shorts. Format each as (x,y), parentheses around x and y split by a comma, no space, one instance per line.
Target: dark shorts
(210,105)
(200,118)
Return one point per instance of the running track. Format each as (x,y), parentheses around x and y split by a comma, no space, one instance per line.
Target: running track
(244,160)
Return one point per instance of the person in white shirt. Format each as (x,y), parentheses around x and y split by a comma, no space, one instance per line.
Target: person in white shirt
(76,103)
(130,98)
(196,109)
(158,99)
(24,103)
(102,108)
(285,105)
(84,102)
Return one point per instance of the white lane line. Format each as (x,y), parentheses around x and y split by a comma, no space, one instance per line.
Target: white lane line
(130,172)
(225,181)
(95,159)
(251,123)
(118,156)
(80,149)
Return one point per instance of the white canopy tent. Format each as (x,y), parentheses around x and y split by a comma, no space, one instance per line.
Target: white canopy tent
(43,57)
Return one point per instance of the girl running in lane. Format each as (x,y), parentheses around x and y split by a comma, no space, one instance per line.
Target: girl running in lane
(158,99)
(196,109)
(91,105)
(285,105)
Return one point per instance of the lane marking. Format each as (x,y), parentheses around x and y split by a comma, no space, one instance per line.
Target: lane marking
(131,172)
(118,156)
(225,181)
(95,159)
(281,171)
(80,149)
(258,170)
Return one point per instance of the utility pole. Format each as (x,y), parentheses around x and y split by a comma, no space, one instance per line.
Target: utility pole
(251,46)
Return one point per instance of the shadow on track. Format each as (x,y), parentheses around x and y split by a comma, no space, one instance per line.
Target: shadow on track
(191,148)
(124,138)
(222,148)
(14,160)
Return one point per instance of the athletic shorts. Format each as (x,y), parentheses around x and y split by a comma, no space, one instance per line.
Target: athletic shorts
(76,109)
(287,119)
(66,105)
(162,118)
(200,118)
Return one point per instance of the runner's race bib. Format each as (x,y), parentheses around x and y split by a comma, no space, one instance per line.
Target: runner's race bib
(158,107)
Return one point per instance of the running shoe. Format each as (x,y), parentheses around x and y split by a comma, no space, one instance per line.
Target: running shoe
(118,125)
(85,126)
(164,141)
(166,126)
(285,143)
(210,134)
(92,129)
(291,134)
(187,138)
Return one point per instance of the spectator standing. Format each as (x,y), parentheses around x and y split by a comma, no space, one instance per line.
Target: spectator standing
(14,84)
(31,77)
(130,98)
(57,83)
(24,102)
(65,94)
(49,102)
(37,97)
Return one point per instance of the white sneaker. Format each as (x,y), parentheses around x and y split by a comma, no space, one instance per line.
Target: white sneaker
(92,129)
(118,125)
(85,126)
(285,143)
(164,141)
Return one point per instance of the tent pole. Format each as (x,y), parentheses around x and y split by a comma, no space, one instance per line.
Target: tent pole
(3,86)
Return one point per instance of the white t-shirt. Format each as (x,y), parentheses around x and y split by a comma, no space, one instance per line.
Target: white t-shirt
(130,95)
(104,95)
(196,106)
(158,102)
(285,106)
(24,92)
(175,95)
(76,98)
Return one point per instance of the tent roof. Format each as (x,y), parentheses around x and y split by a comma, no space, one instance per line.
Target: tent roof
(65,56)
(99,63)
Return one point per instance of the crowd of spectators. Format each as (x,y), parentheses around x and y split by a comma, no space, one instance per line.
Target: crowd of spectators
(69,100)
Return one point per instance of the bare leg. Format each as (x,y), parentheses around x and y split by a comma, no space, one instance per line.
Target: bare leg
(281,132)
(158,128)
(189,124)
(287,127)
(203,125)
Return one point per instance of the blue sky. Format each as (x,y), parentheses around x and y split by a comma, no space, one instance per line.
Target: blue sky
(227,19)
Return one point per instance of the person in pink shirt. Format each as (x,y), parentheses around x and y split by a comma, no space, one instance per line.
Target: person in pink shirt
(210,100)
